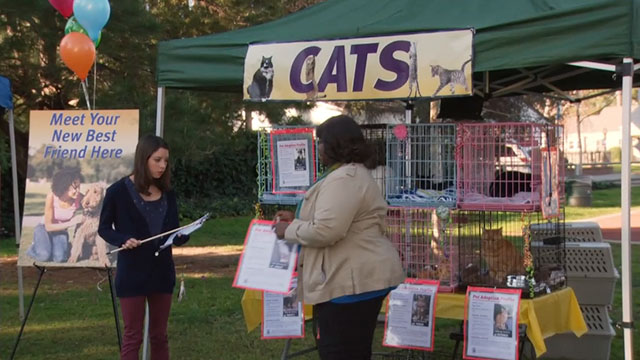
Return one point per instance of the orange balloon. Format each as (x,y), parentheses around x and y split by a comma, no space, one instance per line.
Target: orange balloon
(78,52)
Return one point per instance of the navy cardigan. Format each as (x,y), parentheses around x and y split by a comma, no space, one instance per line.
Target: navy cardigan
(139,272)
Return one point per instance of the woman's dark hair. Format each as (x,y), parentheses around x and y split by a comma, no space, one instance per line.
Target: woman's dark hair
(497,310)
(63,179)
(142,178)
(343,142)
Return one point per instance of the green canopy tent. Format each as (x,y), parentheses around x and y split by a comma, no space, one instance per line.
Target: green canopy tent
(520,47)
(515,41)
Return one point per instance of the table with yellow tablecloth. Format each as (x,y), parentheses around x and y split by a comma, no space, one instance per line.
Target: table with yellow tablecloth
(544,316)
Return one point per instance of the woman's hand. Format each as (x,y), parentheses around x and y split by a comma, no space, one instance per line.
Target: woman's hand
(280,228)
(131,243)
(284,215)
(180,239)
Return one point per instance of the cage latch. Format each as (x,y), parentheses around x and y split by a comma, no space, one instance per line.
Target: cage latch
(625,325)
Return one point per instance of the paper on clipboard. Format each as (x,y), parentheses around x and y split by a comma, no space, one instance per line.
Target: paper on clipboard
(282,315)
(186,231)
(266,263)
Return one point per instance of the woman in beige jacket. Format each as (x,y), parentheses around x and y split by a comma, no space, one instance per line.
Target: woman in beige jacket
(347,266)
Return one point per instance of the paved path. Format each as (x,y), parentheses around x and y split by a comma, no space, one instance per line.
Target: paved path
(611,224)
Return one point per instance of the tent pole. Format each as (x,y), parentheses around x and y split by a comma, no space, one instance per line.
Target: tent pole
(160,111)
(16,207)
(159,132)
(408,171)
(625,182)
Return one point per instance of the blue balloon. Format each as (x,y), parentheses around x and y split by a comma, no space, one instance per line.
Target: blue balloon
(92,15)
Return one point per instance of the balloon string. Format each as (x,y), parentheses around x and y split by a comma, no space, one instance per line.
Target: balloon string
(95,75)
(86,93)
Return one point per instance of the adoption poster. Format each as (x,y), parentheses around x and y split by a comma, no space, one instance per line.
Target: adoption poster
(419,65)
(294,163)
(410,321)
(74,155)
(266,263)
(292,160)
(282,314)
(491,323)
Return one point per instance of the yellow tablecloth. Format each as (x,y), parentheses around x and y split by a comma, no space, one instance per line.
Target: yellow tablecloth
(544,316)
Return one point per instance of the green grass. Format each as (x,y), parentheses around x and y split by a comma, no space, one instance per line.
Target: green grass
(221,231)
(8,247)
(69,320)
(35,198)
(604,201)
(617,168)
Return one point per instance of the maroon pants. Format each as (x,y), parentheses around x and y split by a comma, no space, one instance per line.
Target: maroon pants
(133,315)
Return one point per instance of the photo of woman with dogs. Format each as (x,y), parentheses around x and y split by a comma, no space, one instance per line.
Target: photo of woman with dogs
(348,265)
(68,230)
(51,235)
(137,207)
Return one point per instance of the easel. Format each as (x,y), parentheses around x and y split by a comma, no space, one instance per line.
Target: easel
(42,270)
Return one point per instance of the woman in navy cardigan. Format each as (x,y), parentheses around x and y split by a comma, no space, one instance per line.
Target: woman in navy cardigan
(137,207)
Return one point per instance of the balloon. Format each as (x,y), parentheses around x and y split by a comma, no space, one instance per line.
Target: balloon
(78,53)
(74,26)
(65,7)
(92,15)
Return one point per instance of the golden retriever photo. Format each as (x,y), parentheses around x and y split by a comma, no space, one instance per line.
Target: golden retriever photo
(86,243)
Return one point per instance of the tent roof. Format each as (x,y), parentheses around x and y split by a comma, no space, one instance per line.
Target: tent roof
(519,42)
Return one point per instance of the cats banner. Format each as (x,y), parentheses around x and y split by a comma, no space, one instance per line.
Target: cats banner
(73,157)
(422,65)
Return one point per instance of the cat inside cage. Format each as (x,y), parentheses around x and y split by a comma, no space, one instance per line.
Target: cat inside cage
(495,249)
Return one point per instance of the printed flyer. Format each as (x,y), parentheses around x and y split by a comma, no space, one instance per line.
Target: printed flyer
(266,263)
(293,164)
(491,323)
(282,315)
(410,321)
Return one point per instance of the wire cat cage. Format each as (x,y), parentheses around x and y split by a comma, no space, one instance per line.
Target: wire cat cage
(495,250)
(510,166)
(376,136)
(421,165)
(491,246)
(423,238)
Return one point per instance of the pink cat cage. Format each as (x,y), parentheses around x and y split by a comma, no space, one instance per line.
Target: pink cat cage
(424,240)
(510,167)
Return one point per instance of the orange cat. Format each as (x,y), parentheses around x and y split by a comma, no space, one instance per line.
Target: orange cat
(500,255)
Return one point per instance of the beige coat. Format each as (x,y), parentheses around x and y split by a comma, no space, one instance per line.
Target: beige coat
(341,229)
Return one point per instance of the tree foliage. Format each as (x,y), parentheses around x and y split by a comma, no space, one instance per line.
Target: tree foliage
(31,31)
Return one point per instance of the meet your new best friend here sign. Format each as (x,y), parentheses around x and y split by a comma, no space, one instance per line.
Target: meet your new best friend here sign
(436,64)
(100,146)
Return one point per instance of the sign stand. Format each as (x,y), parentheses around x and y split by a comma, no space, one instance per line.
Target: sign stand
(112,286)
(42,270)
(26,315)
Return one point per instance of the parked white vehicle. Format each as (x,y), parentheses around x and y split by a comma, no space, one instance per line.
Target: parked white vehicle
(513,157)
